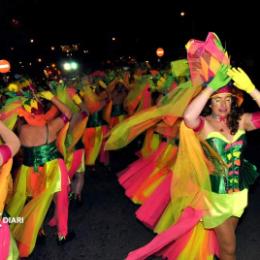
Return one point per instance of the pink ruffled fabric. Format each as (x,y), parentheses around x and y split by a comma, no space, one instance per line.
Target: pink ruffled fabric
(150,212)
(4,240)
(189,218)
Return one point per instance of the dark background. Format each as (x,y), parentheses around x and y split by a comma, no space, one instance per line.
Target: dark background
(138,26)
(105,225)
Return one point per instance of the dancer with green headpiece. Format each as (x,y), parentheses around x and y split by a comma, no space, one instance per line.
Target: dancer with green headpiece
(210,177)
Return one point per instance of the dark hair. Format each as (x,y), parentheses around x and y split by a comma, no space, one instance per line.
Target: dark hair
(233,117)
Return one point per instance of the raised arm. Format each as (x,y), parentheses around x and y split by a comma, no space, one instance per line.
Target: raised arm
(57,123)
(60,105)
(192,113)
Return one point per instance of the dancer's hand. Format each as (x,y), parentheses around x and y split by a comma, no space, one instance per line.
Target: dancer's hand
(221,78)
(241,80)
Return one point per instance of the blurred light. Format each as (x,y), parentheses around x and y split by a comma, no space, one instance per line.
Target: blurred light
(30,64)
(15,22)
(85,51)
(74,65)
(20,62)
(75,47)
(12,48)
(52,48)
(4,66)
(53,65)
(39,60)
(159,52)
(69,47)
(182,13)
(70,66)
(66,66)
(31,40)
(113,38)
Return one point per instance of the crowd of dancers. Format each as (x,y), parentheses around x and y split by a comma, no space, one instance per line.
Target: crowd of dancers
(191,179)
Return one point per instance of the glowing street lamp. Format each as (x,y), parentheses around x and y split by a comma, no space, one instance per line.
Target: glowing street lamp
(160,52)
(4,66)
(68,66)
(74,65)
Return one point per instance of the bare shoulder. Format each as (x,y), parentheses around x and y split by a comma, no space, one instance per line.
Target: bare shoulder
(244,117)
(246,122)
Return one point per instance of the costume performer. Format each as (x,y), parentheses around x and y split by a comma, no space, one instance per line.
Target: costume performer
(8,149)
(210,177)
(43,174)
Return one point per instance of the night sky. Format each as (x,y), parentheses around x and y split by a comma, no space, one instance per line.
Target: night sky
(139,27)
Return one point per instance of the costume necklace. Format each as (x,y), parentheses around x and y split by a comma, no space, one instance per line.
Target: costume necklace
(220,119)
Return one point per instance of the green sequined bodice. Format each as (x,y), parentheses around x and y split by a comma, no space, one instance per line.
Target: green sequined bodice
(231,153)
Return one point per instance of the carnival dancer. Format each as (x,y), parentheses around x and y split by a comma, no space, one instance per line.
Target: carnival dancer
(10,145)
(96,98)
(73,151)
(43,175)
(210,177)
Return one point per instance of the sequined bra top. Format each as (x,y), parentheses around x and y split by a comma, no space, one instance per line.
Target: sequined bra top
(231,153)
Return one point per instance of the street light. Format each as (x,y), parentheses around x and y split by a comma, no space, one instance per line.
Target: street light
(74,65)
(70,66)
(4,66)
(160,52)
(66,66)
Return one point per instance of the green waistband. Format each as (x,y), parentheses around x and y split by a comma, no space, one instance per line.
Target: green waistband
(38,155)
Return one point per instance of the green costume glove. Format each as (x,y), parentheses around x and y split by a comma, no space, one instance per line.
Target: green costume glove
(241,80)
(221,78)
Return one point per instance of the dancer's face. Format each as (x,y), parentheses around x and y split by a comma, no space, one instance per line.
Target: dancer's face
(221,104)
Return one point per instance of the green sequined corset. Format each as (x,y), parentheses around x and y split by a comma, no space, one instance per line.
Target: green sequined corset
(239,173)
(38,155)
